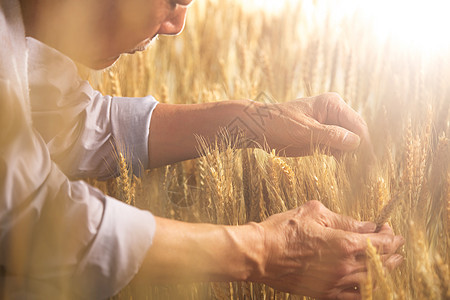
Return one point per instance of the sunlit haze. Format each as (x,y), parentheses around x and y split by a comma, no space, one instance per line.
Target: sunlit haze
(417,23)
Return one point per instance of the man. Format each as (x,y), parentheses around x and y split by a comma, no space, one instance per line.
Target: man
(62,238)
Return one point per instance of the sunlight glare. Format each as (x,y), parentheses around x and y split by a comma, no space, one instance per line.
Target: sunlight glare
(270,6)
(417,23)
(414,22)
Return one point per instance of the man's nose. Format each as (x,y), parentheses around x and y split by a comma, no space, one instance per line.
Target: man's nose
(175,22)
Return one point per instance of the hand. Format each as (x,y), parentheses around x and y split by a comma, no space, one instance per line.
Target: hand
(314,252)
(325,121)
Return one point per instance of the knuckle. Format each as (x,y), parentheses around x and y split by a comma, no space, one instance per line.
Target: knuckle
(388,229)
(386,244)
(318,131)
(314,205)
(348,245)
(333,132)
(390,247)
(324,100)
(345,249)
(333,96)
(348,223)
(343,270)
(334,99)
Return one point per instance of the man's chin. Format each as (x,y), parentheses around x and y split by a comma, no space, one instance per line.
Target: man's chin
(102,63)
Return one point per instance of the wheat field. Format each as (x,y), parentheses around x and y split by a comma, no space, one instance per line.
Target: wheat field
(402,93)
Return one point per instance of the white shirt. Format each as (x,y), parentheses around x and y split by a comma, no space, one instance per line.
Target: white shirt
(82,128)
(61,238)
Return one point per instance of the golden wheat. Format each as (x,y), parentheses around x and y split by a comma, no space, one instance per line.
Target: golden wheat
(404,98)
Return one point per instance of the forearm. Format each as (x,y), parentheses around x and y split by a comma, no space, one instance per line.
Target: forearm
(185,252)
(173,128)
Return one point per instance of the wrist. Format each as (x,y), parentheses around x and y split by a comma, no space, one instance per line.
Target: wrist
(185,252)
(260,252)
(246,117)
(249,244)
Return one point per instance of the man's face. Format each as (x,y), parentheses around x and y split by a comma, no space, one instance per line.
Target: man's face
(132,24)
(99,31)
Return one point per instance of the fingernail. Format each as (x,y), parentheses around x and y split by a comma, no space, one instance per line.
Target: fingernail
(351,140)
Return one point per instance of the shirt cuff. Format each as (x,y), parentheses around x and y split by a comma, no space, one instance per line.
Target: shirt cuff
(130,122)
(116,254)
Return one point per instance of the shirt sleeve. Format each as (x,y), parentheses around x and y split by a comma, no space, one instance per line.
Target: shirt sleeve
(83,129)
(56,232)
(59,239)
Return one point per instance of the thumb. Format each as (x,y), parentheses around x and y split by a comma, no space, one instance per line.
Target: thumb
(337,137)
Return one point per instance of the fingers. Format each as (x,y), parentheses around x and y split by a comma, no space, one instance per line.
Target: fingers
(339,113)
(383,242)
(355,244)
(331,109)
(385,229)
(336,137)
(392,261)
(347,223)
(355,233)
(353,280)
(350,285)
(333,220)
